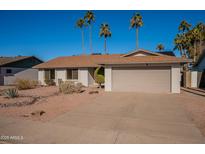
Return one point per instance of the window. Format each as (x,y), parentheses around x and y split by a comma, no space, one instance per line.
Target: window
(72,74)
(8,71)
(50,74)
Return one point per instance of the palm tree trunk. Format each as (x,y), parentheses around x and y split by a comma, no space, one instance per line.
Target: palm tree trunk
(83,49)
(137,38)
(194,60)
(105,46)
(200,45)
(182,52)
(91,50)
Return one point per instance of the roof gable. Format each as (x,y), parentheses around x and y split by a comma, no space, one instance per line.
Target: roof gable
(5,61)
(141,52)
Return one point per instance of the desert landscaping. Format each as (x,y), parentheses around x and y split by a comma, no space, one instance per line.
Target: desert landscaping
(43,103)
(150,118)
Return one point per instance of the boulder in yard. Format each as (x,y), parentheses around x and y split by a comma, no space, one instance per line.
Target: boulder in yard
(38,113)
(25,115)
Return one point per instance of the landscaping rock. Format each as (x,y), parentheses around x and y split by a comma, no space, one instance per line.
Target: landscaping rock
(19,102)
(38,113)
(94,92)
(25,115)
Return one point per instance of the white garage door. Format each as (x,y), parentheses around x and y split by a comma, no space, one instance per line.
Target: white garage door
(141,79)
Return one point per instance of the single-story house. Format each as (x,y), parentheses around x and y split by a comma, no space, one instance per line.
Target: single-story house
(137,71)
(19,67)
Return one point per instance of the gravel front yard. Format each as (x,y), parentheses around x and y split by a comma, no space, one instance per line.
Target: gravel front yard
(50,101)
(55,104)
(195,107)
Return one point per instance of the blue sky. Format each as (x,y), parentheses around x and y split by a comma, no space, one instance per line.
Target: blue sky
(49,34)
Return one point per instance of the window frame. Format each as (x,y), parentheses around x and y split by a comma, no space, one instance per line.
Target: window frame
(54,74)
(8,71)
(72,74)
(49,71)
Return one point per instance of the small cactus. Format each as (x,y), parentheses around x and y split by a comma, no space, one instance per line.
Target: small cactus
(11,93)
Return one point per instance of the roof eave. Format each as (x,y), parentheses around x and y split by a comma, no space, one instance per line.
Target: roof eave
(176,62)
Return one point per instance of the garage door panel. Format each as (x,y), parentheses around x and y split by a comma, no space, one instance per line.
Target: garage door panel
(141,79)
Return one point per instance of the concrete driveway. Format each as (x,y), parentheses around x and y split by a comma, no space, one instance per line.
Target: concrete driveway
(113,118)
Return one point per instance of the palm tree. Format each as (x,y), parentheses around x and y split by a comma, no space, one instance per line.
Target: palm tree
(182,43)
(160,47)
(184,26)
(80,24)
(194,35)
(105,31)
(136,22)
(90,18)
(201,28)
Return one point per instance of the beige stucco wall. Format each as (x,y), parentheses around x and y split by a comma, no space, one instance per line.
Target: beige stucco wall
(175,79)
(41,74)
(83,76)
(60,74)
(91,80)
(108,79)
(194,78)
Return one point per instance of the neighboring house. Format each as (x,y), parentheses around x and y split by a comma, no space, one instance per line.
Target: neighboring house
(198,72)
(138,71)
(19,67)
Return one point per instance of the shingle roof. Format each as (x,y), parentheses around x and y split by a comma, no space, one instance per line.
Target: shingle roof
(145,59)
(77,61)
(169,53)
(7,60)
(96,60)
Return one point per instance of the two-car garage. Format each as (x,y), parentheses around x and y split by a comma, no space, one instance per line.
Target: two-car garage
(141,79)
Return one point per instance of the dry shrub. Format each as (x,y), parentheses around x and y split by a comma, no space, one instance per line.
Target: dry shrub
(69,87)
(23,84)
(1,92)
(50,82)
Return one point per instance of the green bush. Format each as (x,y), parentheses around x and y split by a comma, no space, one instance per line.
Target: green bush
(50,82)
(11,93)
(23,84)
(99,76)
(69,87)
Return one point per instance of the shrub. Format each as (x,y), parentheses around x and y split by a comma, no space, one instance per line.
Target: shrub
(99,76)
(2,92)
(11,93)
(23,84)
(69,87)
(50,82)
